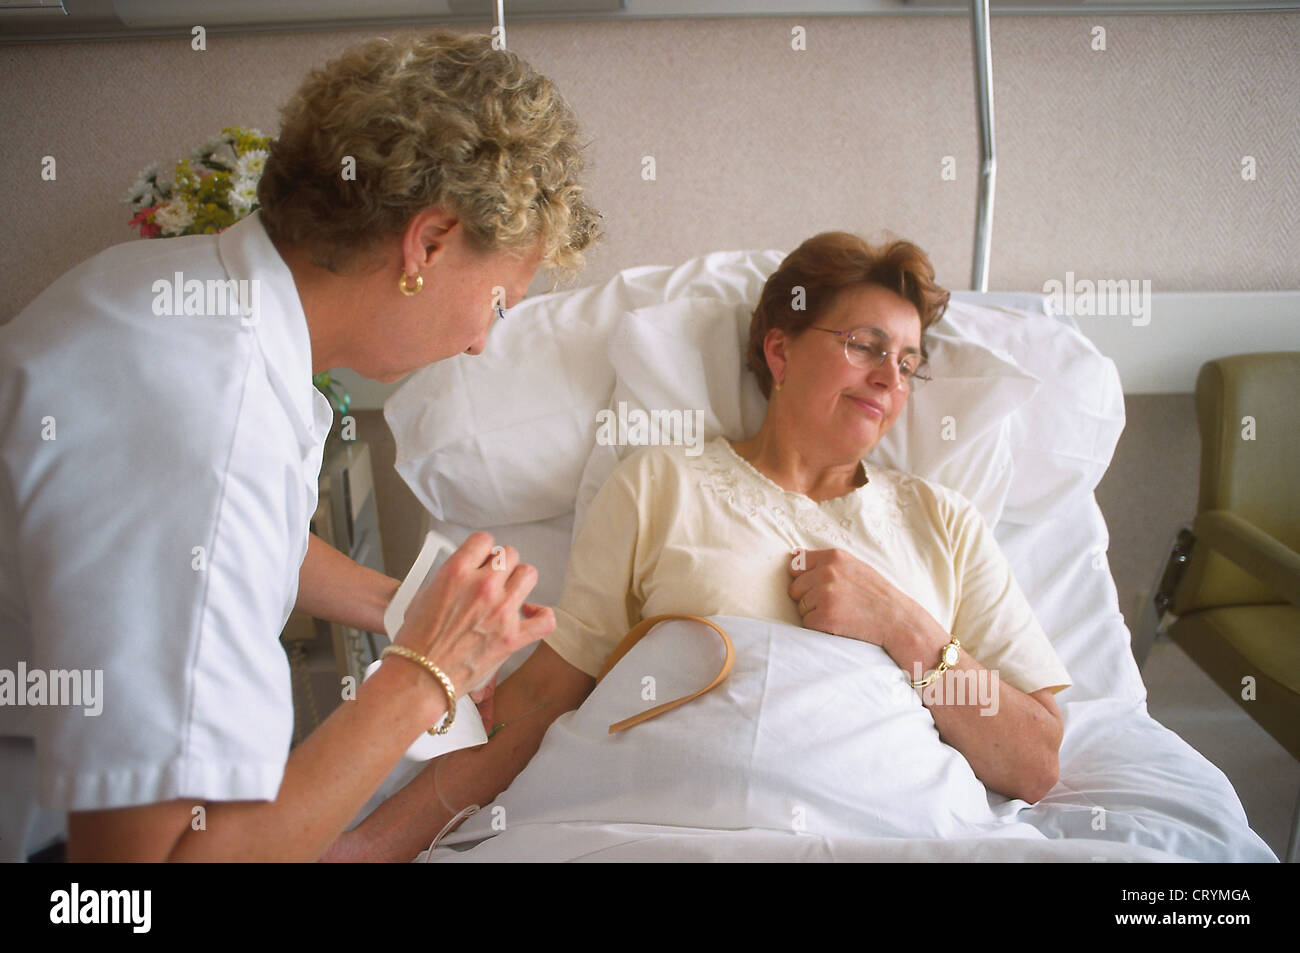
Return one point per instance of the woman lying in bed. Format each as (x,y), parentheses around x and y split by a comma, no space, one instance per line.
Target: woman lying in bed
(790,526)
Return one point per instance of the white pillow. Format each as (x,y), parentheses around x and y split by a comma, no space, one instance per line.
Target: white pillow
(688,355)
(1063,438)
(463,426)
(501,438)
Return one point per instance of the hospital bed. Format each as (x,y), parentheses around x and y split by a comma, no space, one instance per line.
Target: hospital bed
(506,442)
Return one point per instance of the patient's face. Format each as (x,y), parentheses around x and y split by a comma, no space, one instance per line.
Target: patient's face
(833,396)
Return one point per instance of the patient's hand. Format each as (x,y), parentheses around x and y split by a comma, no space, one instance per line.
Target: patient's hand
(838,593)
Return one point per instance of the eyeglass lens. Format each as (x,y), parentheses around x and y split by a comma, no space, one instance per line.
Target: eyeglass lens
(868,347)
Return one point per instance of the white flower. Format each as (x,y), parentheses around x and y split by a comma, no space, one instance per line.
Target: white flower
(143,190)
(251,164)
(173,218)
(243,196)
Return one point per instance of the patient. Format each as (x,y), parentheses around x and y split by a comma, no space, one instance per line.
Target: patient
(789,525)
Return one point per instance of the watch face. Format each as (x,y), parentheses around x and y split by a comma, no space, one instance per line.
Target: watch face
(950,655)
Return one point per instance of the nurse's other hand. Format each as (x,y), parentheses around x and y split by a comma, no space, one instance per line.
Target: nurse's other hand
(473,615)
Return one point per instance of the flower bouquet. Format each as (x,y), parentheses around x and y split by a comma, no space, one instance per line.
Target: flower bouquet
(207,191)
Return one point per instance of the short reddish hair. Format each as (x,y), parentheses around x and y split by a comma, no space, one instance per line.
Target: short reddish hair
(828,264)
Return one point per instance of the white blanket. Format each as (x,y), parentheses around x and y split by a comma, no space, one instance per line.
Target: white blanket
(618,843)
(814,747)
(1130,789)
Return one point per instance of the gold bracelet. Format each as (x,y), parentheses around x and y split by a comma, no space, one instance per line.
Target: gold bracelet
(948,657)
(443,680)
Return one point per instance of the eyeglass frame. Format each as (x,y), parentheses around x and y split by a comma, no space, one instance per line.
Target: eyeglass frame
(907,379)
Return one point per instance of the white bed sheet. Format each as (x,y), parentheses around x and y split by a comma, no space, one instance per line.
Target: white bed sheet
(1154,789)
(1129,789)
(643,843)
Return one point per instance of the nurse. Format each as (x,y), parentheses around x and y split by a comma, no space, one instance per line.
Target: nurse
(158,470)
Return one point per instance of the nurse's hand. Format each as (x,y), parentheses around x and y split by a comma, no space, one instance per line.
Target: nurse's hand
(473,615)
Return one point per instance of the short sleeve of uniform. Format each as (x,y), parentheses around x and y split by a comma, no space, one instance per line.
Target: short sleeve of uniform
(993,619)
(599,602)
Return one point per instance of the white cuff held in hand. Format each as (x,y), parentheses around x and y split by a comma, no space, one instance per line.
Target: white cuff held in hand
(466,729)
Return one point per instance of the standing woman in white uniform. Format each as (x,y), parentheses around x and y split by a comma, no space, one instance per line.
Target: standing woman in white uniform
(161,440)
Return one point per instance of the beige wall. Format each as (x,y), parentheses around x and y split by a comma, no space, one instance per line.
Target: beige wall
(1123,163)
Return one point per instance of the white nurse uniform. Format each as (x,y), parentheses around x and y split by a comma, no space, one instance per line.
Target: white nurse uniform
(158,473)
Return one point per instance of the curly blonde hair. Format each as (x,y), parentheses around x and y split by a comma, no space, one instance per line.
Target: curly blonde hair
(440,119)
(832,262)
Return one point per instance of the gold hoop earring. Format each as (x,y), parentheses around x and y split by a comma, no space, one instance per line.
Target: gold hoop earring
(406,290)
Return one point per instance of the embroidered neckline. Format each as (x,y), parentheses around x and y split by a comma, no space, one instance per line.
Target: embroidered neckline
(729,475)
(772,486)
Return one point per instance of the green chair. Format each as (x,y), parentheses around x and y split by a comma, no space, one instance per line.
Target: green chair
(1230,593)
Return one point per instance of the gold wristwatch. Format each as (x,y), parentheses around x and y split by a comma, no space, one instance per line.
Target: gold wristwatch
(948,657)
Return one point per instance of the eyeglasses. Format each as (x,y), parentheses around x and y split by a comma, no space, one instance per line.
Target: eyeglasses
(866,348)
